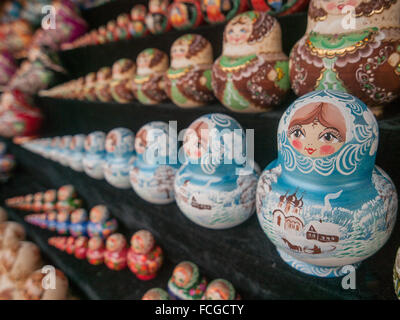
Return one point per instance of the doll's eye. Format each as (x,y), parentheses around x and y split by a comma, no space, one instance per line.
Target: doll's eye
(297,133)
(330,135)
(243,30)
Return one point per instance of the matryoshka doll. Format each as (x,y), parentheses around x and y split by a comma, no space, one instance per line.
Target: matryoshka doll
(95,251)
(217,11)
(396,274)
(28,202)
(55,148)
(123,72)
(120,143)
(323,203)
(157,18)
(38,202)
(123,26)
(81,244)
(152,174)
(156,294)
(185,14)
(148,83)
(101,224)
(52,221)
(103,92)
(63,222)
(66,199)
(95,154)
(144,257)
(188,80)
(186,282)
(70,245)
(49,199)
(279,7)
(101,35)
(358,54)
(216,186)
(116,251)
(220,289)
(64,150)
(111,34)
(77,151)
(137,26)
(90,86)
(252,74)
(78,223)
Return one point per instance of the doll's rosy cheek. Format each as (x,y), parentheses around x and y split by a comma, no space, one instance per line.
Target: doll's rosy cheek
(297,144)
(325,150)
(331,6)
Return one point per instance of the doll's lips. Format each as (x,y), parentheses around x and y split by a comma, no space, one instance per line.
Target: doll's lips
(340,6)
(310,150)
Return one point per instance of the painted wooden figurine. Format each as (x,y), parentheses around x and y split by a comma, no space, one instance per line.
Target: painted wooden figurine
(185,14)
(52,220)
(157,18)
(148,84)
(81,244)
(396,274)
(78,223)
(50,198)
(218,11)
(103,92)
(95,155)
(156,294)
(76,152)
(188,80)
(55,145)
(220,289)
(360,55)
(63,222)
(95,251)
(252,74)
(101,224)
(144,257)
(323,203)
(67,198)
(137,27)
(116,251)
(123,71)
(186,282)
(123,21)
(90,86)
(69,246)
(64,150)
(279,7)
(38,202)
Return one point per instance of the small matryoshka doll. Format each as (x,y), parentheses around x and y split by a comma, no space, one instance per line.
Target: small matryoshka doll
(252,74)
(279,7)
(101,35)
(55,148)
(188,80)
(156,294)
(38,202)
(28,202)
(185,14)
(152,174)
(216,186)
(323,203)
(70,245)
(78,223)
(90,86)
(77,151)
(137,26)
(49,199)
(66,198)
(186,282)
(217,11)
(81,244)
(63,222)
(103,92)
(358,54)
(148,84)
(95,154)
(64,150)
(52,221)
(95,251)
(145,258)
(116,251)
(120,144)
(396,274)
(111,34)
(157,18)
(123,26)
(123,72)
(101,224)
(220,289)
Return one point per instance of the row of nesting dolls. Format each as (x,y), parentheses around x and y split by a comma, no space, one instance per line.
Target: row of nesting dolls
(21,272)
(180,14)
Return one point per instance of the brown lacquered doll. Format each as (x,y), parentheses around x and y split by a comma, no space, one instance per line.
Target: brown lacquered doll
(89,88)
(103,92)
(123,71)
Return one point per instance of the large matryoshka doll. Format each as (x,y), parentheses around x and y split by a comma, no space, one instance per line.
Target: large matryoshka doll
(78,223)
(95,155)
(218,11)
(120,144)
(152,173)
(90,86)
(186,283)
(323,203)
(103,92)
(185,14)
(77,151)
(101,224)
(157,18)
(148,84)
(137,26)
(252,74)
(123,72)
(188,80)
(216,186)
(351,46)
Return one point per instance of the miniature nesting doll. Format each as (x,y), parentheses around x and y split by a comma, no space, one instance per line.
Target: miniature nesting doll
(120,143)
(148,84)
(157,18)
(49,199)
(64,150)
(185,14)
(156,294)
(52,221)
(350,46)
(217,11)
(90,86)
(66,199)
(28,202)
(76,152)
(279,7)
(396,274)
(252,74)
(123,72)
(95,154)
(116,251)
(81,244)
(95,251)
(137,26)
(55,147)
(186,282)
(188,80)
(101,35)
(216,186)
(101,224)
(323,203)
(63,222)
(111,34)
(38,202)
(144,257)
(152,174)
(220,289)
(103,92)
(70,245)
(78,223)
(123,26)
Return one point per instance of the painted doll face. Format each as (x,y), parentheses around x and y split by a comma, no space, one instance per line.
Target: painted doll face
(77,215)
(81,242)
(138,12)
(196,140)
(141,141)
(239,30)
(95,243)
(182,275)
(62,216)
(317,130)
(72,145)
(50,196)
(179,50)
(111,142)
(65,192)
(144,59)
(98,214)
(335,7)
(115,242)
(142,242)
(218,290)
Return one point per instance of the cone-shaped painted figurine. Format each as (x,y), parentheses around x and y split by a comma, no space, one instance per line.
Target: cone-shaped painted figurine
(152,173)
(90,86)
(216,186)
(95,252)
(156,294)
(101,224)
(220,289)
(137,27)
(323,203)
(95,155)
(116,251)
(185,14)
(103,92)
(221,11)
(252,75)
(78,223)
(76,152)
(123,71)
